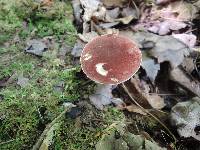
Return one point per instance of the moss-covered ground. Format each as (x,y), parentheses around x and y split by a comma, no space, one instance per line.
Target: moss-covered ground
(25,111)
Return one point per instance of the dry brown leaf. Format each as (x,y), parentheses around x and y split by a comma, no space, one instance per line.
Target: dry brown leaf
(140,92)
(125,20)
(111,3)
(135,109)
(168,18)
(180,77)
(47,2)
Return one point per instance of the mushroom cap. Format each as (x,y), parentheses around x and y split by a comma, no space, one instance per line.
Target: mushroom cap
(110,59)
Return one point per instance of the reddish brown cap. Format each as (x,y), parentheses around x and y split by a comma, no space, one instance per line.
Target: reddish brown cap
(110,59)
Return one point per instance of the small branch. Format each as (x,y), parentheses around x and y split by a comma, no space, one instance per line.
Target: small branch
(7,142)
(154,117)
(43,135)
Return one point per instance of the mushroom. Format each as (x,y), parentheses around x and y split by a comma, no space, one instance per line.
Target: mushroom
(110,59)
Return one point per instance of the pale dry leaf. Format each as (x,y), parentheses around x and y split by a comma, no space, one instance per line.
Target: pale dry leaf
(163,1)
(111,31)
(188,64)
(156,101)
(167,48)
(188,39)
(181,78)
(77,11)
(90,6)
(129,11)
(170,49)
(168,18)
(103,96)
(126,20)
(113,13)
(87,37)
(108,25)
(100,14)
(151,68)
(36,47)
(77,49)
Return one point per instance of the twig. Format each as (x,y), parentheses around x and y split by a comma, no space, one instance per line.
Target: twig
(7,142)
(43,135)
(154,117)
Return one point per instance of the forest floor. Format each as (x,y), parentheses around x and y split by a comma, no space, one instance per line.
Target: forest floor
(47,102)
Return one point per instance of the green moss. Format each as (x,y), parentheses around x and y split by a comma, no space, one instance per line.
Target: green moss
(73,137)
(25,111)
(53,20)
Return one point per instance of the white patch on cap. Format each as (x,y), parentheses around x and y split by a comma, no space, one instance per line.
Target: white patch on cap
(100,69)
(131,51)
(114,79)
(87,56)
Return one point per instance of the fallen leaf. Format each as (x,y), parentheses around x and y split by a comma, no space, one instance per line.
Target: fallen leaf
(87,37)
(169,18)
(170,49)
(112,3)
(129,11)
(36,47)
(163,1)
(167,48)
(90,6)
(77,11)
(108,25)
(156,101)
(188,39)
(139,90)
(64,49)
(188,64)
(77,49)
(49,137)
(185,116)
(126,20)
(180,77)
(151,68)
(135,109)
(100,14)
(113,13)
(103,96)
